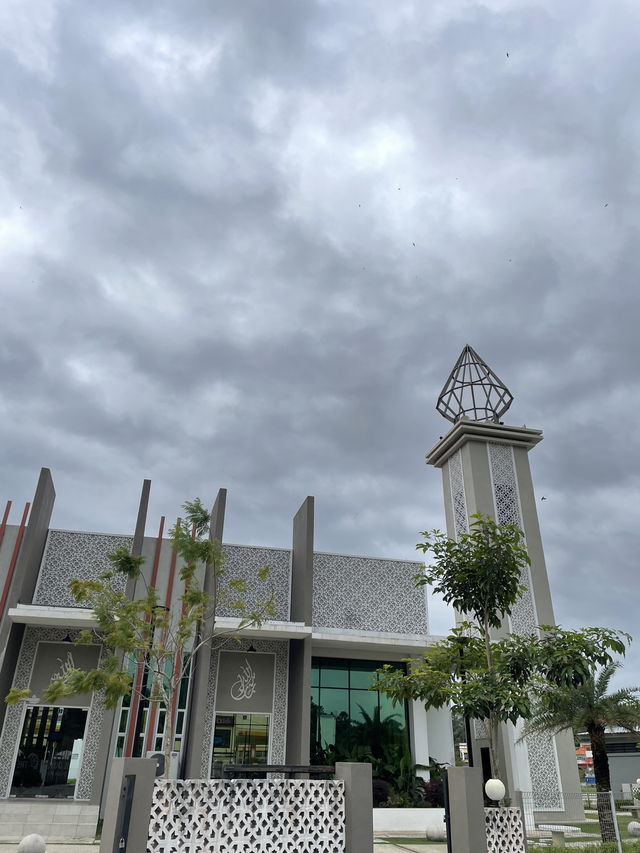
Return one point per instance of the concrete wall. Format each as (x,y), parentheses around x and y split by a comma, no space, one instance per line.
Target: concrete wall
(624,767)
(406,821)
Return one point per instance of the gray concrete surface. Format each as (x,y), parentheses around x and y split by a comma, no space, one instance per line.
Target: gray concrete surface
(378,847)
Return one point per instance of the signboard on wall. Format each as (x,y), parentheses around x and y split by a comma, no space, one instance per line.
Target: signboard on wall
(54,659)
(245,683)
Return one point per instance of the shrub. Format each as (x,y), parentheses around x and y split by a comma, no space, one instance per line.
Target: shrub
(434,793)
(380,791)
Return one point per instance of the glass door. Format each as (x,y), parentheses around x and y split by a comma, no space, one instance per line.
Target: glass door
(240,739)
(50,752)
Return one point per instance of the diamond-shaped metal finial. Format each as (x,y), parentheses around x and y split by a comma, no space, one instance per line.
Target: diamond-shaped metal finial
(473,390)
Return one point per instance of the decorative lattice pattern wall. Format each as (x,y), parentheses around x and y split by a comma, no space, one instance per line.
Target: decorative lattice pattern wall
(505,833)
(507,504)
(541,750)
(245,561)
(367,594)
(247,816)
(69,555)
(458,497)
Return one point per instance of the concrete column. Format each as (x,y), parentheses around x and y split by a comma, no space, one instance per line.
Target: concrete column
(466,827)
(420,735)
(137,777)
(440,735)
(196,733)
(108,733)
(358,806)
(138,536)
(302,564)
(24,580)
(299,686)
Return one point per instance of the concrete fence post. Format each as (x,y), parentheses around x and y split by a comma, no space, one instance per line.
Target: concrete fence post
(358,806)
(467,825)
(128,808)
(518,801)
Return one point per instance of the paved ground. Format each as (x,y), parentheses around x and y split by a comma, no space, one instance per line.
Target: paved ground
(69,847)
(379,847)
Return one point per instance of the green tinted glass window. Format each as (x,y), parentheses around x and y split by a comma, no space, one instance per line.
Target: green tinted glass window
(346,716)
(363,673)
(334,674)
(364,706)
(333,701)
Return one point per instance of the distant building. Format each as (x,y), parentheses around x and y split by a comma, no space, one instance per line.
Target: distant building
(584,757)
(624,758)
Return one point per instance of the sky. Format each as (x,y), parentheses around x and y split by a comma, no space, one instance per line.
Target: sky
(243,244)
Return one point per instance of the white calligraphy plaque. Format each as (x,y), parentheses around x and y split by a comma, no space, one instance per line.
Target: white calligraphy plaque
(53,660)
(245,683)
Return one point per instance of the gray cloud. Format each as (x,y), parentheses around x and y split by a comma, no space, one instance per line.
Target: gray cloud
(243,247)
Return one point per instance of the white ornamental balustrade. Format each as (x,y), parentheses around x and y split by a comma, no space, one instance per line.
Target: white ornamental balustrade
(248,816)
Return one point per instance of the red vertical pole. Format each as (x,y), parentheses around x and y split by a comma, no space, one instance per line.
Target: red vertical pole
(154,578)
(176,670)
(5,518)
(14,558)
(137,687)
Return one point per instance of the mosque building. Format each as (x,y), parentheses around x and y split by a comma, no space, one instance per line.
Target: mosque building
(338,618)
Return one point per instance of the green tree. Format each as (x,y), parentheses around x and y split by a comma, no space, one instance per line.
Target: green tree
(492,680)
(142,636)
(588,707)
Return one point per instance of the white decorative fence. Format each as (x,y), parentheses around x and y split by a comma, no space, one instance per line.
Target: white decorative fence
(505,832)
(247,816)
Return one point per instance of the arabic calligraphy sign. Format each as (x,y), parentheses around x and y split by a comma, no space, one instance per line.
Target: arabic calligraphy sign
(245,682)
(53,660)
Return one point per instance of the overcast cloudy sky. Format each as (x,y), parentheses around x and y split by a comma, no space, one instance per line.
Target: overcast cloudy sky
(243,243)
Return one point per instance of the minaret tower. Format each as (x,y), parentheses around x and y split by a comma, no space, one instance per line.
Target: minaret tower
(485,468)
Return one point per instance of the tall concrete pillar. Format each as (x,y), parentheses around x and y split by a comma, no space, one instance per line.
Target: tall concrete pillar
(106,745)
(201,663)
(299,688)
(23,582)
(485,468)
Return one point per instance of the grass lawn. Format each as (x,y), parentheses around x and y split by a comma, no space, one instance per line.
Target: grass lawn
(594,829)
(623,823)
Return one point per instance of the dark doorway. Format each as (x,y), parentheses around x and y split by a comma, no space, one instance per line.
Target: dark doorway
(50,752)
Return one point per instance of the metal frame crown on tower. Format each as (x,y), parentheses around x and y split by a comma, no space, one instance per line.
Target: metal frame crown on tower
(473,390)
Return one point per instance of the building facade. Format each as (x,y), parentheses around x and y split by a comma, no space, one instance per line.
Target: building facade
(338,618)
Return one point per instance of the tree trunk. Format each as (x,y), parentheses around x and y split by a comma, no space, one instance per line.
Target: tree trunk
(600,758)
(603,782)
(493,724)
(493,730)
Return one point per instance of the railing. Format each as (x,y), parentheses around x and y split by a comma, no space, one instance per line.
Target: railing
(285,771)
(580,817)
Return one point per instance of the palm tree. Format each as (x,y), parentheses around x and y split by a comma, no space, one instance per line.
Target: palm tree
(588,708)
